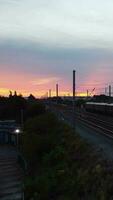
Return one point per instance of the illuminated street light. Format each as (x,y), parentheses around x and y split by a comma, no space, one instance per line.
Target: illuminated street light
(17,131)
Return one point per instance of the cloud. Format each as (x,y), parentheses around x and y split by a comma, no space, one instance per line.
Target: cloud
(58,23)
(45,81)
(40,63)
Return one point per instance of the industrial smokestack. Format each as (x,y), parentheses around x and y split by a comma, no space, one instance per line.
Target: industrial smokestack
(109,90)
(74,85)
(57,88)
(50,93)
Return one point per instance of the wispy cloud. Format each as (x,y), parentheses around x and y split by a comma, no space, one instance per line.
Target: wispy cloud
(58,23)
(44,81)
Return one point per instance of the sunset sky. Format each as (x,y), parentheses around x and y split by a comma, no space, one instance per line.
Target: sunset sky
(42,41)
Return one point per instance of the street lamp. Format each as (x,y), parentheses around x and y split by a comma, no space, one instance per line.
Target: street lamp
(17,132)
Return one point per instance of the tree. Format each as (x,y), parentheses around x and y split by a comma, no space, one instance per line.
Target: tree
(15,93)
(10,93)
(31,98)
(35,109)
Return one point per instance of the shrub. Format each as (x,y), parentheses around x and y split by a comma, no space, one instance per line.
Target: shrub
(64,166)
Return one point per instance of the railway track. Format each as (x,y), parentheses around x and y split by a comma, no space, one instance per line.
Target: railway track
(98,127)
(105,127)
(98,123)
(107,118)
(104,123)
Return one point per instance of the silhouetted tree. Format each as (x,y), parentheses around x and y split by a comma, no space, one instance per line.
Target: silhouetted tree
(31,98)
(15,93)
(10,93)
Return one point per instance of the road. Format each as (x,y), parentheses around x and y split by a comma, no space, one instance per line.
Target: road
(11,176)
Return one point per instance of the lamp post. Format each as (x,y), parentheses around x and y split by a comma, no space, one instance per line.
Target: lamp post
(17,132)
(22,118)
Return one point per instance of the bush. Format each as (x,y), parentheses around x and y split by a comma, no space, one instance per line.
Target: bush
(35,109)
(63,167)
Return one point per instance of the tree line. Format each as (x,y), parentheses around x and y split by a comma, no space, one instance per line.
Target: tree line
(12,107)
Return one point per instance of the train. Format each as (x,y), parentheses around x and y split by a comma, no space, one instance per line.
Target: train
(102,108)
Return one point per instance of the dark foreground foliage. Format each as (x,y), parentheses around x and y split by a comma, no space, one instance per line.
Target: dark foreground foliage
(61,165)
(15,107)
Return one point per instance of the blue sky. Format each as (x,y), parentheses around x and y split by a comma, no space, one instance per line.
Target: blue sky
(42,41)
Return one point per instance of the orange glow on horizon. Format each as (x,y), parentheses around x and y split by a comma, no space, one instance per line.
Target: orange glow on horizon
(5,92)
(38,85)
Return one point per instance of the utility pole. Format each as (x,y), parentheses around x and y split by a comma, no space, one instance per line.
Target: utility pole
(50,93)
(57,88)
(87,93)
(106,91)
(74,99)
(50,98)
(109,90)
(46,95)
